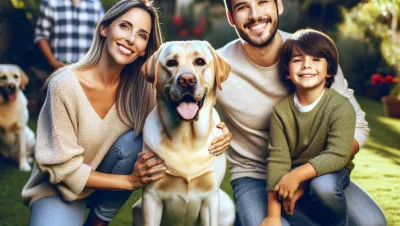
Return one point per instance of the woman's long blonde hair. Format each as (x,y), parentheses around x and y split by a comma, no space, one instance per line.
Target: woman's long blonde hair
(135,97)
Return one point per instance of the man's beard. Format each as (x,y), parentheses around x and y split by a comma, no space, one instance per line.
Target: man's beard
(267,40)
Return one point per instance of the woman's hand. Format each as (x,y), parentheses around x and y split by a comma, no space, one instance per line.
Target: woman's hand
(146,171)
(221,143)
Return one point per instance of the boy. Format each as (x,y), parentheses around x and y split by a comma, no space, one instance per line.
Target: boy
(311,130)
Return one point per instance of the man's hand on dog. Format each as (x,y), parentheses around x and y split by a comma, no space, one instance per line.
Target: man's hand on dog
(221,143)
(146,171)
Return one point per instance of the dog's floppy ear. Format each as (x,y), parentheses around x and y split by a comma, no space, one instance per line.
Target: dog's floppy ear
(151,67)
(24,78)
(222,68)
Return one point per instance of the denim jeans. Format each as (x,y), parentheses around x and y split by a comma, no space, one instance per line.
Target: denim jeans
(120,159)
(323,200)
(251,201)
(250,196)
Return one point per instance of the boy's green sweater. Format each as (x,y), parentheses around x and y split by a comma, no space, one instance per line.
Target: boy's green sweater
(323,136)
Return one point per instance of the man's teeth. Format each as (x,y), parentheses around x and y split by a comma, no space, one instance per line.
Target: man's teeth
(124,50)
(257,26)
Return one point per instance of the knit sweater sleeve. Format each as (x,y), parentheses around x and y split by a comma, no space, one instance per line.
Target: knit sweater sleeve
(362,129)
(340,139)
(278,161)
(57,151)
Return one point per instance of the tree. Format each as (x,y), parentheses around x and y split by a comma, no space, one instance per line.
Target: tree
(325,15)
(377,21)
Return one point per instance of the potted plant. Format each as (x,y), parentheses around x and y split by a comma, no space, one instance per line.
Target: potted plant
(379,22)
(391,102)
(377,87)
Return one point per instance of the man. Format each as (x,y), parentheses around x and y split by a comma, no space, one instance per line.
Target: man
(64,29)
(246,102)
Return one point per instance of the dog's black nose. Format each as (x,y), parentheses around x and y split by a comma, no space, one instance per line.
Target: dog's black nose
(187,80)
(11,86)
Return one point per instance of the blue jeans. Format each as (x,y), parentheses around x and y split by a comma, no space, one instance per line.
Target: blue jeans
(251,201)
(324,201)
(250,196)
(120,159)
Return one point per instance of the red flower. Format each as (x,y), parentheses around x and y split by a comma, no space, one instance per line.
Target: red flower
(389,79)
(377,79)
(197,31)
(183,32)
(202,21)
(178,20)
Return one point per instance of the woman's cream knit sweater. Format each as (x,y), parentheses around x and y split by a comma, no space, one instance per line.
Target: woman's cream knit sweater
(72,140)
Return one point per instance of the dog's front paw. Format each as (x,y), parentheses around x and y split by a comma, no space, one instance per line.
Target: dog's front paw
(25,167)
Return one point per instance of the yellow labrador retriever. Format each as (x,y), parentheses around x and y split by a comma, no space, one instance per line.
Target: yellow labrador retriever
(180,130)
(17,141)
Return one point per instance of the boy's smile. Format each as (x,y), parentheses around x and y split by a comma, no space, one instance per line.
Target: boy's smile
(306,71)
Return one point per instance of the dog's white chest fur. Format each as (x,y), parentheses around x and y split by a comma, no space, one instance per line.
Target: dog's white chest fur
(193,176)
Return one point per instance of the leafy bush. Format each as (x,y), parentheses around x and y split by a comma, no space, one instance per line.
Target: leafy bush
(359,61)
(375,51)
(16,21)
(201,20)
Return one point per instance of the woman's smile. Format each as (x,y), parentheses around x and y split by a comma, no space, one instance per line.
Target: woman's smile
(124,50)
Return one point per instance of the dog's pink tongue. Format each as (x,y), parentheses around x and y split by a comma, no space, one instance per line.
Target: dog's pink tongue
(187,110)
(12,97)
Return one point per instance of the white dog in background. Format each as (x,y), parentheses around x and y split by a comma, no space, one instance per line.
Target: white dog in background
(17,140)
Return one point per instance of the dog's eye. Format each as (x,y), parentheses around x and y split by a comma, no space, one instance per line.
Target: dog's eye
(16,76)
(172,63)
(3,77)
(199,62)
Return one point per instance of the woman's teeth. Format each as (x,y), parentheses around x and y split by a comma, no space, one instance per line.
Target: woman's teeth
(124,50)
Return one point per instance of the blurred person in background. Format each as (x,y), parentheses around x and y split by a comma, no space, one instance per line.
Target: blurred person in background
(64,29)
(63,33)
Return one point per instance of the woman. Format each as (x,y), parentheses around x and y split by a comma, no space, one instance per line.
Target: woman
(84,136)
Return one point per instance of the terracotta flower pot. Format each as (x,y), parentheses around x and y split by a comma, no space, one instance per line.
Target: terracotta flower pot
(376,92)
(391,106)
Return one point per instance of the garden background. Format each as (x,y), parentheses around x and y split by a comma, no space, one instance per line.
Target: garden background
(366,32)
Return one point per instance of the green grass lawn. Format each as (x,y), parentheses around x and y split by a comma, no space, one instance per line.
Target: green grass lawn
(377,171)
